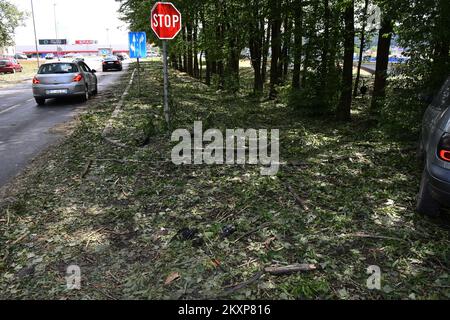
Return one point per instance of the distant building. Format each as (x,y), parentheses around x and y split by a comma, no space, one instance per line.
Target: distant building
(84,49)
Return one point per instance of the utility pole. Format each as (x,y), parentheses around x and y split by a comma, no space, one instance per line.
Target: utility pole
(56,29)
(108,40)
(35,36)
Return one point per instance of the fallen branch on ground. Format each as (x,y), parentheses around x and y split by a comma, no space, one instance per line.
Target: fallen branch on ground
(86,168)
(372,236)
(264,225)
(242,285)
(290,269)
(297,198)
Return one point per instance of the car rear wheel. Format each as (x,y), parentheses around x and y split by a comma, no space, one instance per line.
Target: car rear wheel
(40,101)
(425,203)
(85,96)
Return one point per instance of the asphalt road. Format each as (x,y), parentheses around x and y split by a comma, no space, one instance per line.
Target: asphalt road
(25,127)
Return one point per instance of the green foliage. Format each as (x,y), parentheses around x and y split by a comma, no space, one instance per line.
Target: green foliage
(10,19)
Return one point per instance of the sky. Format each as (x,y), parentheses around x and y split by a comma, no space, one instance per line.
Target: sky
(76,20)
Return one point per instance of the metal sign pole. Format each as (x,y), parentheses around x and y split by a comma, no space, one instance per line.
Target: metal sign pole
(35,36)
(139,77)
(166,84)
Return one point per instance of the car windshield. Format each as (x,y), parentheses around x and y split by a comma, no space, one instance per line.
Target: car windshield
(111,58)
(57,68)
(4,61)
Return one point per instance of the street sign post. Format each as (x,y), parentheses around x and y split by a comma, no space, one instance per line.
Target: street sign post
(137,43)
(166,23)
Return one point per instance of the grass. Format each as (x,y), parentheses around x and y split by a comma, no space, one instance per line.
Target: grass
(121,220)
(30,68)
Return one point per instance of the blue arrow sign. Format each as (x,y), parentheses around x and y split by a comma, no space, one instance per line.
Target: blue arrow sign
(137,42)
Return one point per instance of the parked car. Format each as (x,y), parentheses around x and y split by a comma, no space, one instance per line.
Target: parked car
(112,63)
(49,56)
(20,56)
(434,194)
(120,56)
(78,57)
(153,54)
(64,79)
(10,65)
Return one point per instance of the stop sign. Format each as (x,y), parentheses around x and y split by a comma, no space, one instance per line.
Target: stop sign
(165,20)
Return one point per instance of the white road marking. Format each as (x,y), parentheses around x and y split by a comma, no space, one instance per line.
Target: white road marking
(29,100)
(10,108)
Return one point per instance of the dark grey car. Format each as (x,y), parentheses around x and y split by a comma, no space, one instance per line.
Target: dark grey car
(434,191)
(64,79)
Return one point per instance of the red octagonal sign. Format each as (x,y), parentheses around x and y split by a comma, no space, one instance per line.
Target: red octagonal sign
(165,20)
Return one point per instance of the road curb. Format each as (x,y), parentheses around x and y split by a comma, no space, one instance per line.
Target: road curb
(109,126)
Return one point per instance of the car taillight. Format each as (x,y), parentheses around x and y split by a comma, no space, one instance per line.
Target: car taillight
(78,78)
(444,148)
(36,80)
(104,62)
(117,62)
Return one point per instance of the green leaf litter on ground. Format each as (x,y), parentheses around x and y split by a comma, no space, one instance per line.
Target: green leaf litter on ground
(123,222)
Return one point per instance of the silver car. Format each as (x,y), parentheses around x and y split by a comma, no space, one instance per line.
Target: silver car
(434,191)
(64,79)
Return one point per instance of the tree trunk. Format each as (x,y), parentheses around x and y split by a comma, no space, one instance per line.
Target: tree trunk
(190,65)
(286,45)
(185,55)
(361,47)
(345,103)
(208,69)
(298,43)
(265,53)
(196,71)
(325,56)
(440,68)
(381,73)
(275,13)
(255,45)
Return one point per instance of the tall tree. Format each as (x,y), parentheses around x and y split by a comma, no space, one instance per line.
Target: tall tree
(298,42)
(275,16)
(345,103)
(381,73)
(10,19)
(362,40)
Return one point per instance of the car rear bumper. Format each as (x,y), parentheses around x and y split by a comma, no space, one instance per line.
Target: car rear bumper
(112,67)
(75,89)
(439,179)
(6,69)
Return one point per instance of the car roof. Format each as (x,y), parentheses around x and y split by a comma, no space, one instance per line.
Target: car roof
(60,62)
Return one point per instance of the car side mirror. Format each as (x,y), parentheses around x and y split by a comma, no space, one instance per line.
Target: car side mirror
(94,71)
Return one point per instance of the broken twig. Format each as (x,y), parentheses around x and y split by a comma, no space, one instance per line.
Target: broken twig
(86,168)
(264,225)
(242,285)
(290,269)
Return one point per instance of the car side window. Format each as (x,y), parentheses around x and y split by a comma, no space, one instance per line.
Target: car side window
(84,67)
(442,100)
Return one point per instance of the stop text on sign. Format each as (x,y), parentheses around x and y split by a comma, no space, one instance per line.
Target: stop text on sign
(165,20)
